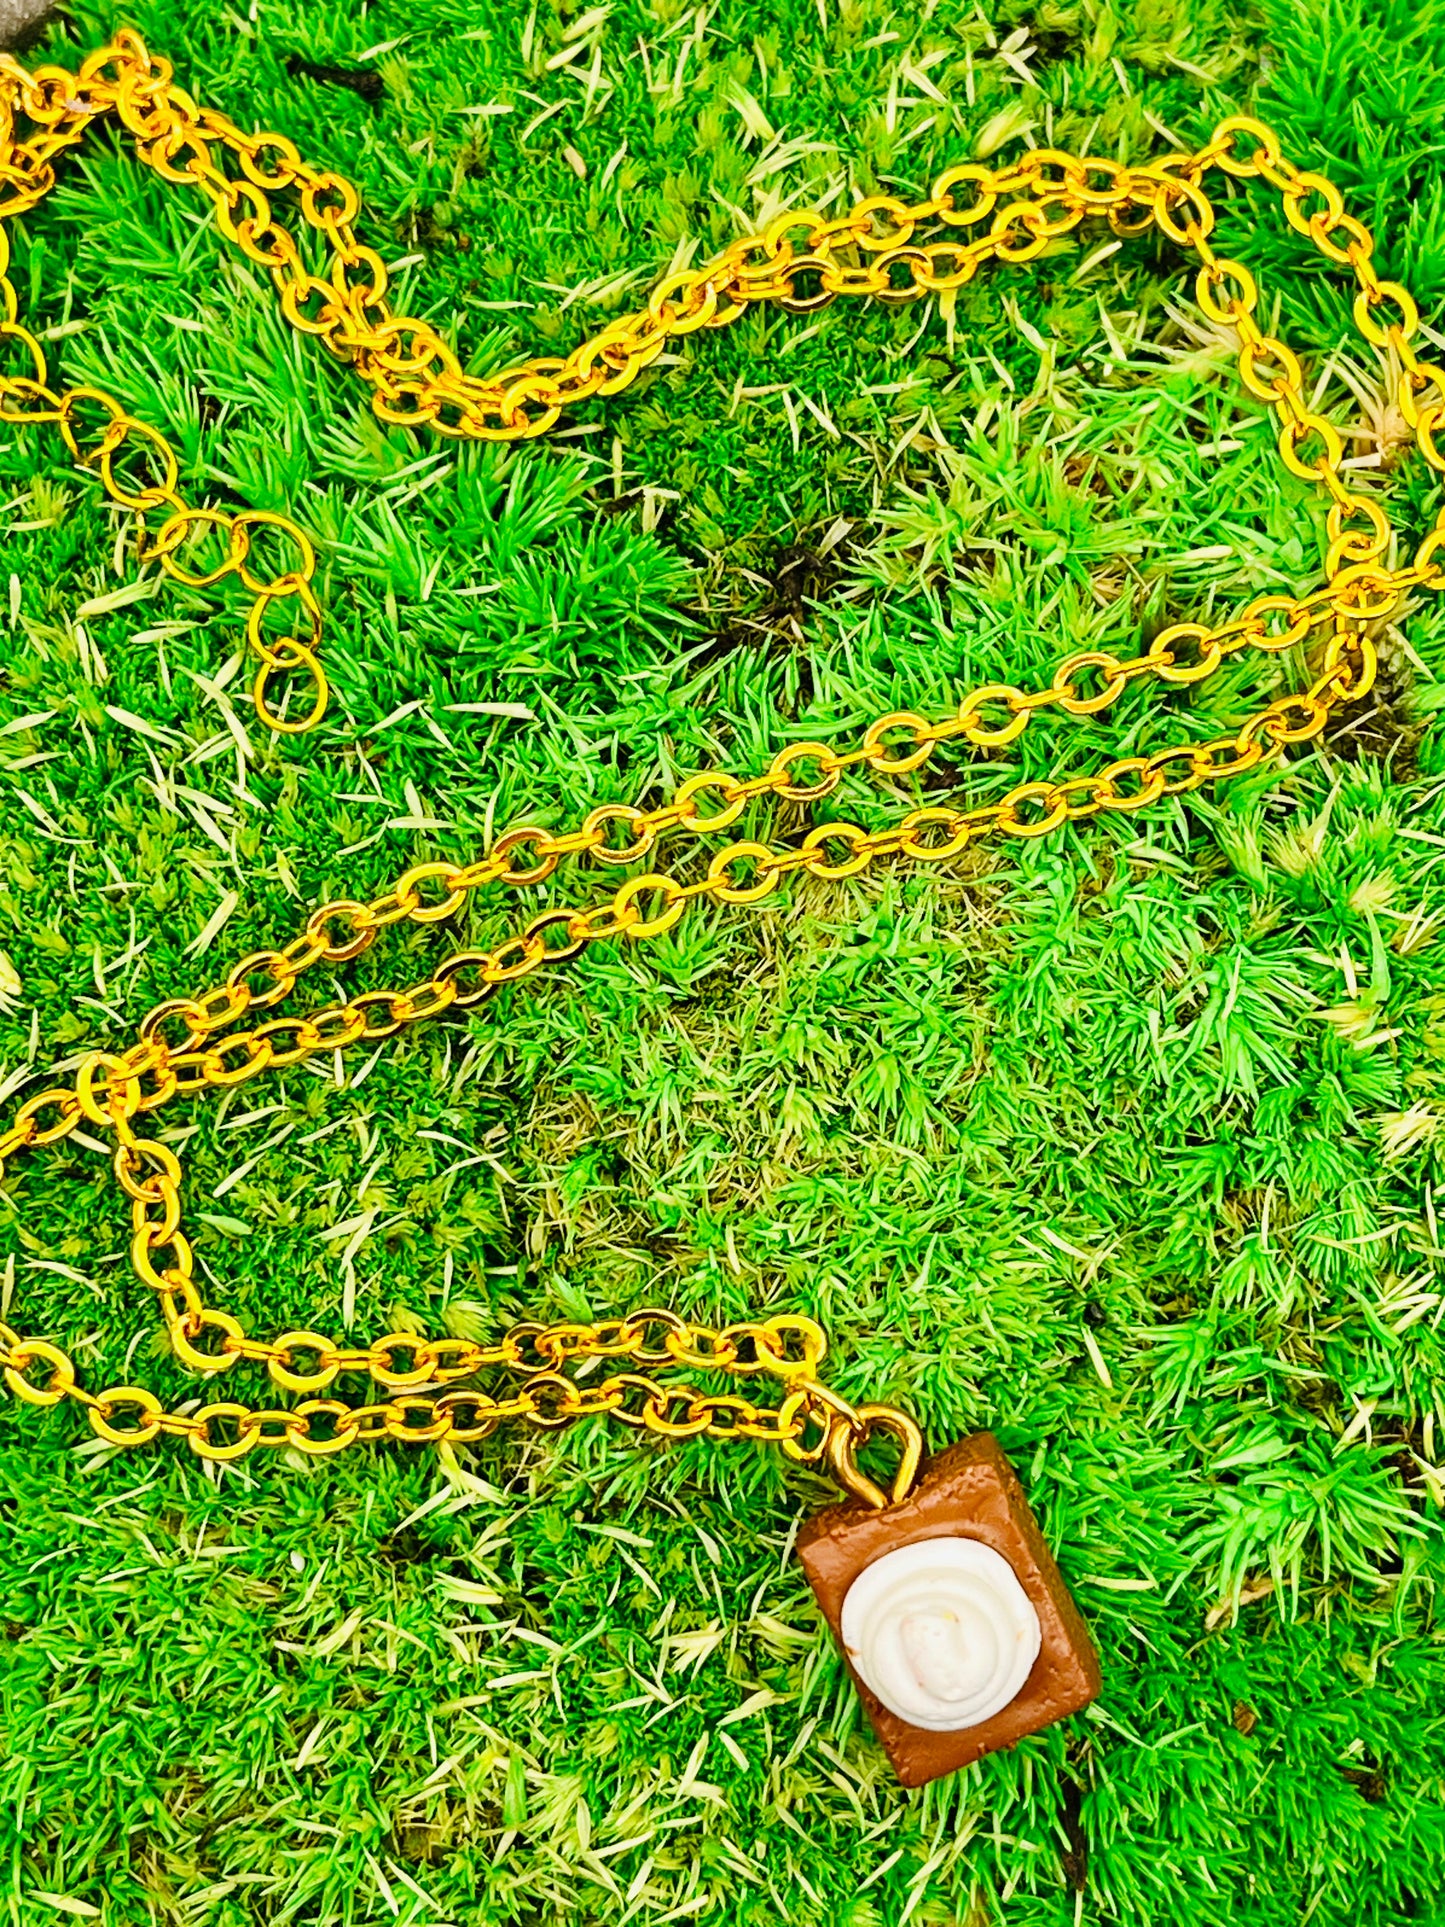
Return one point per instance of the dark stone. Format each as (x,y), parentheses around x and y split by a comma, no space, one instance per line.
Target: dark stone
(21,21)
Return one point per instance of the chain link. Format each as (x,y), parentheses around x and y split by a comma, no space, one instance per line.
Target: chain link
(885,248)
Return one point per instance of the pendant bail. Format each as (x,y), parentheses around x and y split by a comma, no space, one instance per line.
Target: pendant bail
(848,1435)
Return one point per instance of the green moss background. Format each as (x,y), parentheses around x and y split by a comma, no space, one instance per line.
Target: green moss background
(1126,1144)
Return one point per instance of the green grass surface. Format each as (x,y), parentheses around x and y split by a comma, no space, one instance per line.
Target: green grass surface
(1126,1144)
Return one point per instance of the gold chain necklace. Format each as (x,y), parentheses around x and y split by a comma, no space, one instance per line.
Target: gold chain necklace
(884,248)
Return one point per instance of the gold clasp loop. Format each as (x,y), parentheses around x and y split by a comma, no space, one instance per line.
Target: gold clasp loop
(845,1439)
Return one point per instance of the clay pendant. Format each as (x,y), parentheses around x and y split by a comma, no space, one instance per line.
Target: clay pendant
(954,1620)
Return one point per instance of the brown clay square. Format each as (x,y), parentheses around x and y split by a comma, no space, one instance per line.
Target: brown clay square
(969,1491)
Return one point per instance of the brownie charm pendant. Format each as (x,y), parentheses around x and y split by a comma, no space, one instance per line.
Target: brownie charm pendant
(951,1614)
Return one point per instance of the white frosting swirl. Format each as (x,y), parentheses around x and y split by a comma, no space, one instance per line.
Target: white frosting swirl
(942,1632)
